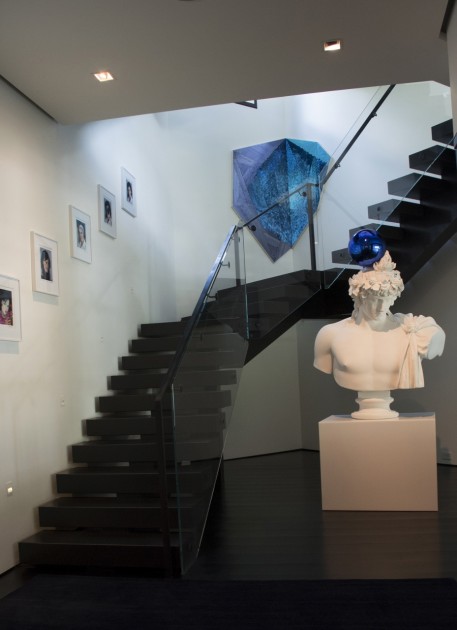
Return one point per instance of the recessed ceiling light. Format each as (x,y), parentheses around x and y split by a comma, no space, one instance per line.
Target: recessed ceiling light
(332,44)
(103,76)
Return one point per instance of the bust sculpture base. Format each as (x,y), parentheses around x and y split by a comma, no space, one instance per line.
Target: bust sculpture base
(381,465)
(374,406)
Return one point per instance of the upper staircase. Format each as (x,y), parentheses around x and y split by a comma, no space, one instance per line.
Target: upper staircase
(139,489)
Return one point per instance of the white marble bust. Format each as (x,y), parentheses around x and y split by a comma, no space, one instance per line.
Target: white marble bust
(375,351)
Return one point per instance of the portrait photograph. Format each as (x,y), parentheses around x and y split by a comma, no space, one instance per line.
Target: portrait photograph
(10,309)
(128,187)
(107,212)
(45,270)
(80,235)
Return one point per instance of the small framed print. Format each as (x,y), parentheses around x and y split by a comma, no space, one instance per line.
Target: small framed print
(80,235)
(107,212)
(128,187)
(45,268)
(10,309)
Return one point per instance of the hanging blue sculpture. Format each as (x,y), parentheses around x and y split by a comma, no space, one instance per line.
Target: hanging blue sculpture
(264,175)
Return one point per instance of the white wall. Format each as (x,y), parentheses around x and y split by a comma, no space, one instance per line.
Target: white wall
(70,343)
(266,416)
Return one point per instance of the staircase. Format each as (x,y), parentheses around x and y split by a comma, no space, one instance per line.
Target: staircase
(111,513)
(423,212)
(118,509)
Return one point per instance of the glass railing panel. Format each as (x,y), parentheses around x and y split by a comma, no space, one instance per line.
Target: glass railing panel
(276,294)
(282,275)
(380,179)
(201,398)
(373,100)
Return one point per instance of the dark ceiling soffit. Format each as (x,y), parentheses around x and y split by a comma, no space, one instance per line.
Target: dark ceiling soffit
(13,87)
(447,16)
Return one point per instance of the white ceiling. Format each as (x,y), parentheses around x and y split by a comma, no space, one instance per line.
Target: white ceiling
(176,54)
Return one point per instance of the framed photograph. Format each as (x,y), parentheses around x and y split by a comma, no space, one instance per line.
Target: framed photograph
(80,235)
(45,268)
(106,212)
(10,309)
(128,187)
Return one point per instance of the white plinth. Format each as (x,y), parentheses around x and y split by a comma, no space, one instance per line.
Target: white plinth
(387,464)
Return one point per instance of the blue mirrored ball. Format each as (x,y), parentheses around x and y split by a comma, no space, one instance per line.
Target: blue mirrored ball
(366,247)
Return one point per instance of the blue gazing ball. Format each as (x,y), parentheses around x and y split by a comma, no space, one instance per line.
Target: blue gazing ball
(366,247)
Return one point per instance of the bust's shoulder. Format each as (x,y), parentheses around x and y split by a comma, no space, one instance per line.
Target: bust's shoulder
(414,323)
(329,330)
(342,323)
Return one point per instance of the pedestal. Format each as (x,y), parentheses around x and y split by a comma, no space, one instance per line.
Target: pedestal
(387,464)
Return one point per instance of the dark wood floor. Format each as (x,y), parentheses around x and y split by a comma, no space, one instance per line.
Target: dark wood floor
(266,522)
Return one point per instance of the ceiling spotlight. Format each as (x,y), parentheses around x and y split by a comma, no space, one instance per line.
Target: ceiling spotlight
(103,76)
(332,44)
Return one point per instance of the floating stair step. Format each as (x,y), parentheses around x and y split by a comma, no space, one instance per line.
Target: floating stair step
(405,186)
(274,293)
(436,159)
(400,254)
(162,329)
(172,329)
(187,401)
(125,402)
(136,450)
(151,362)
(122,425)
(147,380)
(191,360)
(194,478)
(271,307)
(226,309)
(186,380)
(145,402)
(155,344)
(430,191)
(443,132)
(283,292)
(395,211)
(98,549)
(297,278)
(198,341)
(115,512)
(387,232)
(144,425)
(342,257)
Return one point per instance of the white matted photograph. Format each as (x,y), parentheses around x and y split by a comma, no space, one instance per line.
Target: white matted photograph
(106,212)
(10,309)
(80,235)
(45,268)
(128,187)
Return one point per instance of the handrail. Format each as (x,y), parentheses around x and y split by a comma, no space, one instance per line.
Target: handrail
(195,315)
(370,116)
(192,323)
(168,380)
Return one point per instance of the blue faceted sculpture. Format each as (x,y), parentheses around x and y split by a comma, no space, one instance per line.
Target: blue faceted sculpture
(366,247)
(264,178)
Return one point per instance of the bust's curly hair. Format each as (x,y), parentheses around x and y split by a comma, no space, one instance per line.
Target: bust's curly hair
(383,280)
